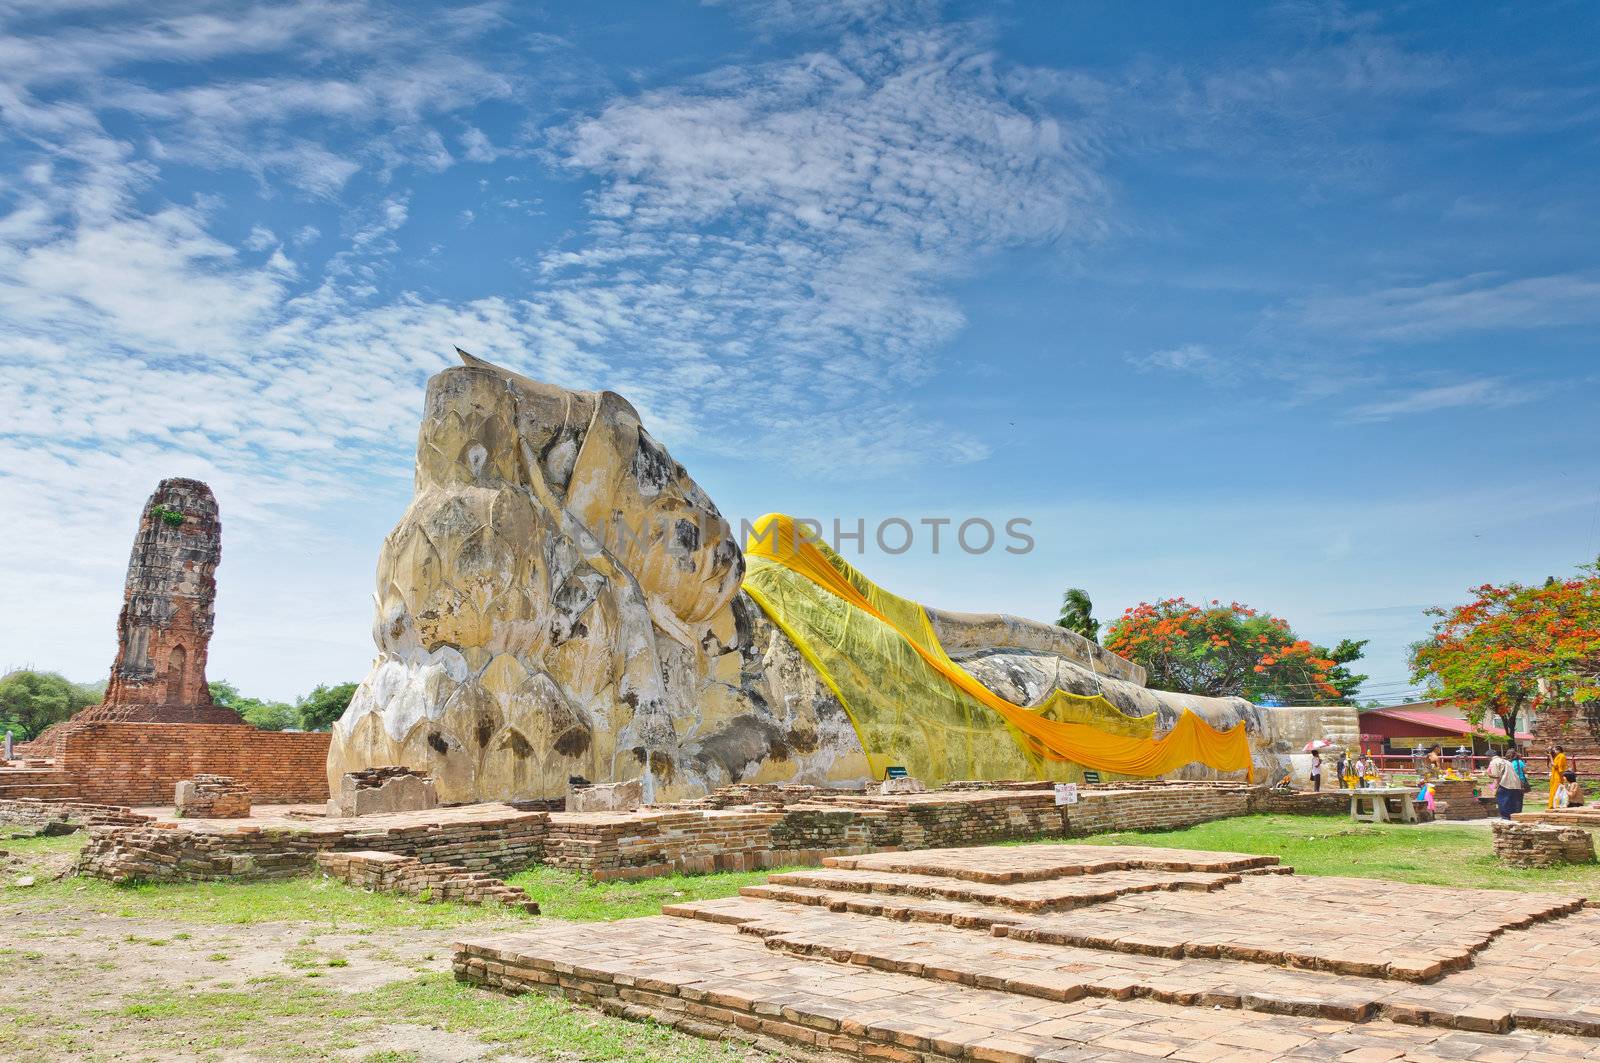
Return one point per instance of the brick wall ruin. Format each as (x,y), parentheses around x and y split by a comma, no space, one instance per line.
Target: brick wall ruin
(1541,845)
(495,839)
(498,839)
(142,763)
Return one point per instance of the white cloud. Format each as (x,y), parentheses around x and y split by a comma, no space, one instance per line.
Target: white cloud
(1483,392)
(788,229)
(260,238)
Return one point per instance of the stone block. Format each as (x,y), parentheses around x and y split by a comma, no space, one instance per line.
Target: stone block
(607,797)
(211,797)
(392,788)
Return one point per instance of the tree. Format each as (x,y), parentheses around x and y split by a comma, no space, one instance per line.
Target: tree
(1513,648)
(1233,650)
(1076,610)
(31,701)
(267,715)
(324,705)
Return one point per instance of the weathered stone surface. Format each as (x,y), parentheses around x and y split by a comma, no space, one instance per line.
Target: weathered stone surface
(1027,676)
(1064,953)
(561,599)
(392,788)
(607,797)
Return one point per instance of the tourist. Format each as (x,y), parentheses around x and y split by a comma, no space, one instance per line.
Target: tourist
(1559,766)
(1342,769)
(1316,771)
(1510,782)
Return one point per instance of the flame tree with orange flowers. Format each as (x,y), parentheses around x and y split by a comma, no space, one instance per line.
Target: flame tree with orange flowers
(1514,649)
(1222,650)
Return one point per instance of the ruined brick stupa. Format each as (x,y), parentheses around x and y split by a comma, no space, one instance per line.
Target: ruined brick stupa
(168,613)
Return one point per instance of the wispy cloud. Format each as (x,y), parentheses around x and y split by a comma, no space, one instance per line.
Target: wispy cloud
(1476,303)
(787,229)
(1484,392)
(1195,359)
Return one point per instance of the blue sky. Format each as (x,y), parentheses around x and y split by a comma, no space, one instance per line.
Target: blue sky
(1291,303)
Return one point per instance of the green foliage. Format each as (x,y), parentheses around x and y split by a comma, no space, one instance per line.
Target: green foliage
(170,516)
(318,709)
(270,715)
(1076,614)
(267,715)
(31,701)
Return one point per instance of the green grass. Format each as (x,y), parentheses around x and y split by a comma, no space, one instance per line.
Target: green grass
(567,895)
(1325,845)
(323,902)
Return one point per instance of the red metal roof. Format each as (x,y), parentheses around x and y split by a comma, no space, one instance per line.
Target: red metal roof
(1434,722)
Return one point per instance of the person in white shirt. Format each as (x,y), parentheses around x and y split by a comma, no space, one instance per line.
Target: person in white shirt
(1510,785)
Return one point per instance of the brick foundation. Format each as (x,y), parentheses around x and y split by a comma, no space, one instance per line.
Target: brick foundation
(392,873)
(64,816)
(1304,803)
(142,763)
(1540,845)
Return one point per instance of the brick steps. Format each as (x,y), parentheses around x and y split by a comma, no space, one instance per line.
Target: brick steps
(47,784)
(1504,997)
(714,981)
(1151,924)
(1037,863)
(1068,973)
(1049,895)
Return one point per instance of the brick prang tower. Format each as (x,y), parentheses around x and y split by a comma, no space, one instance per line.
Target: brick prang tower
(168,613)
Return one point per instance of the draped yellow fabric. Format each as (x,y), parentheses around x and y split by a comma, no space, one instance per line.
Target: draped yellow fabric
(912,705)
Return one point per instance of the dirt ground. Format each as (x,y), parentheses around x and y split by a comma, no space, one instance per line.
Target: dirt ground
(89,981)
(82,984)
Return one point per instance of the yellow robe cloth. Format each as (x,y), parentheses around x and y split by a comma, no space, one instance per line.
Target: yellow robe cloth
(912,705)
(1558,765)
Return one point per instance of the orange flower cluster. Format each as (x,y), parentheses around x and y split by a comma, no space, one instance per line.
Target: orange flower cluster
(1513,648)
(1221,649)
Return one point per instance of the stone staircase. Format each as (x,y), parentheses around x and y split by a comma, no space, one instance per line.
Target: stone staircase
(46,784)
(1061,952)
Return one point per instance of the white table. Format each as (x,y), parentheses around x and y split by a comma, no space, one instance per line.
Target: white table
(1371,805)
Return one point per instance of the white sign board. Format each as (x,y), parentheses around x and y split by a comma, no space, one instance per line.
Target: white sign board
(1066,793)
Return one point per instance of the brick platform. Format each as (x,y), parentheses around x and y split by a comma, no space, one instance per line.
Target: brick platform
(802,825)
(1227,961)
(490,838)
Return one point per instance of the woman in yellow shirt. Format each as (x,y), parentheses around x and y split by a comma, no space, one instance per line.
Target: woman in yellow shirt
(1558,773)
